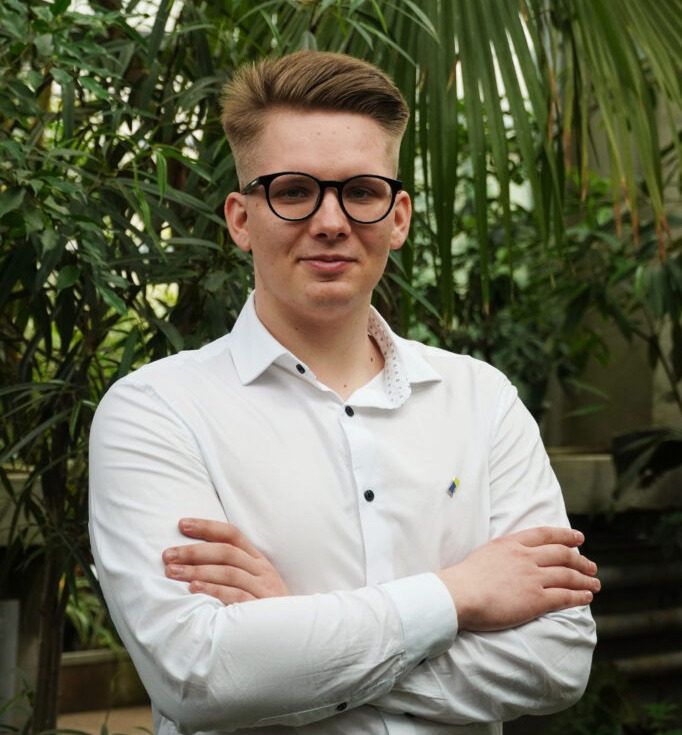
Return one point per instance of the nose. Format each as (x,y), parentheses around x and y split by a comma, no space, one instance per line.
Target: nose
(330,221)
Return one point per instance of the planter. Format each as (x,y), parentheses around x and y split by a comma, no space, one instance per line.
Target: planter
(9,648)
(588,479)
(98,680)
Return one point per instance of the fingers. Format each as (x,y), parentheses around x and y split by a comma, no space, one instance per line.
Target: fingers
(201,528)
(226,595)
(214,562)
(569,579)
(514,579)
(211,553)
(562,556)
(544,535)
(229,583)
(225,565)
(212,574)
(560,566)
(562,599)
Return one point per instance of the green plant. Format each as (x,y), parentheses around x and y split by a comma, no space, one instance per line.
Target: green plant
(609,707)
(88,618)
(661,718)
(617,274)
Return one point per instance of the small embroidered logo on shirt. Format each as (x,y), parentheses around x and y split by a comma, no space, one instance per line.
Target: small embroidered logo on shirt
(453,487)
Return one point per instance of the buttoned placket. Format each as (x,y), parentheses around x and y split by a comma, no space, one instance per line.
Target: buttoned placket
(368,489)
(372,496)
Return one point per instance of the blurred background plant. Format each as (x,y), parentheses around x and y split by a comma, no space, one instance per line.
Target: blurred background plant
(113,171)
(610,707)
(87,619)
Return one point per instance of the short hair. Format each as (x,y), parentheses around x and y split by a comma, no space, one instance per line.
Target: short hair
(308,81)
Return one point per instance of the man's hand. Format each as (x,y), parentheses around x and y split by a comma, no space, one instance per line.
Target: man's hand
(515,579)
(225,565)
(504,583)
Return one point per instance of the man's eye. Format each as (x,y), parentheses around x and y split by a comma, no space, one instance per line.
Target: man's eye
(366,190)
(358,193)
(298,192)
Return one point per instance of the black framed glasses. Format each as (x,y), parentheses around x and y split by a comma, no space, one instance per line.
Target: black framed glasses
(295,196)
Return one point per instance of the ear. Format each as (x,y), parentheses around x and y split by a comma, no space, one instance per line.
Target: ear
(402,214)
(236,219)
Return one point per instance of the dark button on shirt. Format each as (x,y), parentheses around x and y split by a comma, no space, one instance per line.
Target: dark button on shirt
(342,706)
(369,495)
(300,368)
(349,411)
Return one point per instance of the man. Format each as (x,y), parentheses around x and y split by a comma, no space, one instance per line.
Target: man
(372,535)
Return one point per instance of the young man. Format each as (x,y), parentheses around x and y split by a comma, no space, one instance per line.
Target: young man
(372,535)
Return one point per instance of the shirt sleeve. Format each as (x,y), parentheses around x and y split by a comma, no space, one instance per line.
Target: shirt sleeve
(206,666)
(537,668)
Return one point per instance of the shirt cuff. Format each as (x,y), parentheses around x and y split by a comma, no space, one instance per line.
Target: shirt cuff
(427,613)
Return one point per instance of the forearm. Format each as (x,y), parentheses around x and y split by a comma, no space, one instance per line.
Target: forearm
(537,668)
(289,660)
(475,681)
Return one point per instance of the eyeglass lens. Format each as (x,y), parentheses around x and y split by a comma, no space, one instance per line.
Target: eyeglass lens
(295,196)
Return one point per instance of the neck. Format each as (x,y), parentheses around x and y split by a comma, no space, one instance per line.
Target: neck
(339,351)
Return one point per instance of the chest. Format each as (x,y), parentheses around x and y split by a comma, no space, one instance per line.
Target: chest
(340,497)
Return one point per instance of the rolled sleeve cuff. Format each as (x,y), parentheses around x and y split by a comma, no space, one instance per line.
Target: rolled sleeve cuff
(427,613)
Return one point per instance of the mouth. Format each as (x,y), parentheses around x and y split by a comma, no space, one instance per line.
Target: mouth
(328,258)
(327,262)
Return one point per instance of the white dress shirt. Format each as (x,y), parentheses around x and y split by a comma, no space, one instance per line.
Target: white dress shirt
(356,504)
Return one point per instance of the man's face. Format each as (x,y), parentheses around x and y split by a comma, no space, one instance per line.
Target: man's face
(327,265)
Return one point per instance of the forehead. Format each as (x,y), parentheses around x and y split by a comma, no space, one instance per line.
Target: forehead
(324,143)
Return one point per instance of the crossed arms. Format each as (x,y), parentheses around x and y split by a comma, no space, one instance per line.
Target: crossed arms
(505,583)
(292,659)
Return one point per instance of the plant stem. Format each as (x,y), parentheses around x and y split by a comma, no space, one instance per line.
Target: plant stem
(656,342)
(51,625)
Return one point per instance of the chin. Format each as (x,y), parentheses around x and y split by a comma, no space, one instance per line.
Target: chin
(333,305)
(335,297)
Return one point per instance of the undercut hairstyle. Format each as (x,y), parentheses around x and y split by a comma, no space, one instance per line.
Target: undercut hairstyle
(308,81)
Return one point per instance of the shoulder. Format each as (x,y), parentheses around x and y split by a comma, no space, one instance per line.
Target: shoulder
(472,389)
(187,375)
(451,366)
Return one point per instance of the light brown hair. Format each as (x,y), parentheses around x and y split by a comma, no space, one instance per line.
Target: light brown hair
(308,81)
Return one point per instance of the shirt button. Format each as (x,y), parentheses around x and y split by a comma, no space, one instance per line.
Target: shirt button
(342,706)
(300,368)
(349,411)
(369,495)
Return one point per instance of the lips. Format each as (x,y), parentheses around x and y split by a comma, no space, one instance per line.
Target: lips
(327,262)
(328,258)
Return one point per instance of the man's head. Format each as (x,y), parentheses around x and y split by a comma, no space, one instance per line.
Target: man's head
(316,139)
(307,81)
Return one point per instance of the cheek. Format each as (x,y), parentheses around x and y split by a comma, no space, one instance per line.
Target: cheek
(380,245)
(271,252)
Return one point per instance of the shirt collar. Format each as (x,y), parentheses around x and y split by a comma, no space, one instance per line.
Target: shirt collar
(403,366)
(254,350)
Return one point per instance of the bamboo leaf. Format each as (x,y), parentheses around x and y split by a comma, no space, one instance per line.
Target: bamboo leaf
(467,40)
(14,449)
(112,299)
(171,333)
(416,295)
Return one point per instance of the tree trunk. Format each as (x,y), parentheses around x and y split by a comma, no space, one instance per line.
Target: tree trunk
(50,631)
